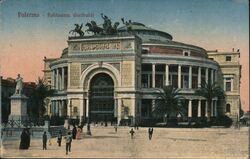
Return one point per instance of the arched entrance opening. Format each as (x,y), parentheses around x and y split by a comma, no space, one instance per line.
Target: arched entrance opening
(101,98)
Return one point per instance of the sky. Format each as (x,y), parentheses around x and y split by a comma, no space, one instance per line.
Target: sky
(211,24)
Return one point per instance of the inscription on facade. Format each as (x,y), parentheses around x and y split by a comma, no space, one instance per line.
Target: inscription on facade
(74,75)
(101,46)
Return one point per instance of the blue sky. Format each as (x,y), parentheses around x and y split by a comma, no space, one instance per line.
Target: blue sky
(196,17)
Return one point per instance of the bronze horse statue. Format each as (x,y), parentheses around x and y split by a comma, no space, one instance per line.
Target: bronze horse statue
(94,28)
(78,30)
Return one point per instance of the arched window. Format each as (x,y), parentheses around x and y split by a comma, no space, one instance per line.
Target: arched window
(228,108)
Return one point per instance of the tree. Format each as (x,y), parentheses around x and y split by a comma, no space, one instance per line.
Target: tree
(171,102)
(210,91)
(40,93)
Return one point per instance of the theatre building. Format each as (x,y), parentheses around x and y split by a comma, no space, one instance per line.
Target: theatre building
(116,77)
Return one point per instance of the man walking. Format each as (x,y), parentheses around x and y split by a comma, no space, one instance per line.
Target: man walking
(68,143)
(115,128)
(132,133)
(150,133)
(44,141)
(59,138)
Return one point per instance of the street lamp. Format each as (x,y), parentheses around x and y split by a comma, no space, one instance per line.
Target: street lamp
(70,106)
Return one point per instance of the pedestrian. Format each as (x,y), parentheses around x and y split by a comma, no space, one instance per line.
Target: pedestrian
(44,141)
(68,142)
(88,130)
(150,133)
(74,132)
(23,141)
(132,133)
(78,133)
(28,138)
(59,138)
(115,128)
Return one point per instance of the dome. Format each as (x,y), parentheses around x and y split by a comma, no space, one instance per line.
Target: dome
(161,42)
(146,33)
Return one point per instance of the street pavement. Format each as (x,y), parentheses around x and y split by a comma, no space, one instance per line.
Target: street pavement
(209,143)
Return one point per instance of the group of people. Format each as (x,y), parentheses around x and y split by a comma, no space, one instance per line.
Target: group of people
(25,139)
(150,132)
(76,134)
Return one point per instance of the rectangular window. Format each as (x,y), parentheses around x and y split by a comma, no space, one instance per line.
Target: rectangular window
(159,81)
(228,58)
(75,109)
(228,83)
(228,86)
(144,81)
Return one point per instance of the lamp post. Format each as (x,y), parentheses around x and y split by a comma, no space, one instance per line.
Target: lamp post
(70,110)
(70,106)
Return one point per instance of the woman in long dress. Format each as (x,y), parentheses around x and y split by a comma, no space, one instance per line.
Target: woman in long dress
(23,142)
(78,133)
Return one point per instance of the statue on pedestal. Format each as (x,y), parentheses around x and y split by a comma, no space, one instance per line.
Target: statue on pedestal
(19,84)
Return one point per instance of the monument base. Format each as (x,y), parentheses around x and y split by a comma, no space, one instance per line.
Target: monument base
(18,108)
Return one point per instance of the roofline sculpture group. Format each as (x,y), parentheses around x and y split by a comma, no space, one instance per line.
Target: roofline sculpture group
(105,29)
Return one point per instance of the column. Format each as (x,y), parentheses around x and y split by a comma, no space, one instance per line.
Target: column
(212,76)
(199,77)
(62,78)
(57,108)
(68,107)
(53,79)
(189,108)
(64,113)
(87,107)
(215,75)
(60,108)
(68,76)
(206,75)
(215,108)
(199,108)
(179,76)
(190,78)
(206,109)
(115,108)
(153,75)
(167,75)
(81,109)
(57,79)
(119,111)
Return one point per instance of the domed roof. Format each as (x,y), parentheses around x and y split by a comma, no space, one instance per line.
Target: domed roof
(142,29)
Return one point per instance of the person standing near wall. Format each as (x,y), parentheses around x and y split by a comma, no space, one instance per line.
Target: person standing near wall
(44,141)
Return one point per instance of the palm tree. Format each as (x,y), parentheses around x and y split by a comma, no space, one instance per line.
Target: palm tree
(171,103)
(40,93)
(209,91)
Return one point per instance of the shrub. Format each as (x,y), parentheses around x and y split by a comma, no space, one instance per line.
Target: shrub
(221,121)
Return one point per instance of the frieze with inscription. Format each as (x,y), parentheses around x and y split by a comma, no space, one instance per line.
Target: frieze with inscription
(100,46)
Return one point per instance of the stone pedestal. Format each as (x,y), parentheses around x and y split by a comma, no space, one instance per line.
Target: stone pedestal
(18,107)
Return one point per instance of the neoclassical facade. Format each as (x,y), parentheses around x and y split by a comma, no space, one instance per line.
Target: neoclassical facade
(118,77)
